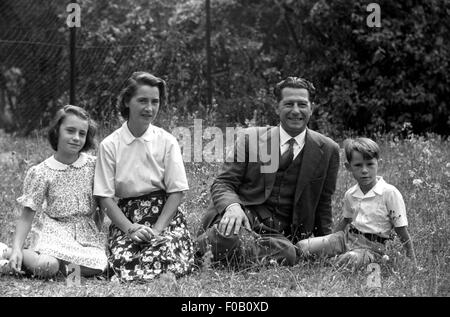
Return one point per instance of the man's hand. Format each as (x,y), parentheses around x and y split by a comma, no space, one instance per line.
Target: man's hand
(235,217)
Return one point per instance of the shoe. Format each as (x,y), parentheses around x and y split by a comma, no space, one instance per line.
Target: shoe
(4,267)
(3,250)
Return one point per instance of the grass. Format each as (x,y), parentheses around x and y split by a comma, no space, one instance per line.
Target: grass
(419,167)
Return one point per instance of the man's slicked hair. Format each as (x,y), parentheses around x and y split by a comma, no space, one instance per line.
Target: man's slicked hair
(294,82)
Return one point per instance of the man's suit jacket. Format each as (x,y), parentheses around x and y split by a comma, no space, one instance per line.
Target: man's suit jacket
(241,181)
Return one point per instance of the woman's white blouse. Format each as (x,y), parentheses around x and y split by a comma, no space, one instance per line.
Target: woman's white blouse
(129,167)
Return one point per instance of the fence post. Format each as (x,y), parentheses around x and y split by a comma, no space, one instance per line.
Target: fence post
(72,45)
(208,52)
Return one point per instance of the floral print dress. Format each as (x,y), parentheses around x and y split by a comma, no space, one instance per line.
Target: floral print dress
(61,195)
(172,251)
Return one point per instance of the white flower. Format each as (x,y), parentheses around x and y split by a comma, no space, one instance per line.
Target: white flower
(427,152)
(148,276)
(139,272)
(417,181)
(127,256)
(155,209)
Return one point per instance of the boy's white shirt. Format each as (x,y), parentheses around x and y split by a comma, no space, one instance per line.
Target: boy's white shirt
(378,211)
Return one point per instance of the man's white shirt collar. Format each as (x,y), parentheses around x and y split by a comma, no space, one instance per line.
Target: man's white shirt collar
(285,137)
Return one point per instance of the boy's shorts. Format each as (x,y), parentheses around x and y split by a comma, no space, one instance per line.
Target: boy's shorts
(345,241)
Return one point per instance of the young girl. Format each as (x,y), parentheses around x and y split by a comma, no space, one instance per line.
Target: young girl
(142,165)
(65,182)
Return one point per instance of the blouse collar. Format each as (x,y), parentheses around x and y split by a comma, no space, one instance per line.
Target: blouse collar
(56,165)
(128,137)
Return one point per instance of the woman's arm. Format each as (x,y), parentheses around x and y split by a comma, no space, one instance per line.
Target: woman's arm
(169,210)
(136,232)
(22,229)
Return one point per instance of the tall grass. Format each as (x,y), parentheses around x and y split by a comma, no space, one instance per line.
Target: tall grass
(418,166)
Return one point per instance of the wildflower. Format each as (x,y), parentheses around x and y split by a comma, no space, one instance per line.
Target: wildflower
(417,181)
(427,152)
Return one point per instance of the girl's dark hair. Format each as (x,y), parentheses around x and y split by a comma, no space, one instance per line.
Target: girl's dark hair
(61,114)
(294,82)
(368,148)
(131,85)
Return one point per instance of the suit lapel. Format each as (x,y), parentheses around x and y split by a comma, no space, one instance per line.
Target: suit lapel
(312,156)
(269,178)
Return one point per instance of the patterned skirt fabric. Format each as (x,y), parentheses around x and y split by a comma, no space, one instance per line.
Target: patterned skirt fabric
(172,251)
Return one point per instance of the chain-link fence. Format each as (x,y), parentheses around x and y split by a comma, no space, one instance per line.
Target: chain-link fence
(35,61)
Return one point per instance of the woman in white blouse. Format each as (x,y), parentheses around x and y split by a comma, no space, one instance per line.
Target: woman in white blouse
(141,164)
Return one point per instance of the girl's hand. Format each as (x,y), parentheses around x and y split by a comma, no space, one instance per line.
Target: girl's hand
(15,260)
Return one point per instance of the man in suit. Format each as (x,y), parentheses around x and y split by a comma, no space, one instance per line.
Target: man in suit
(261,208)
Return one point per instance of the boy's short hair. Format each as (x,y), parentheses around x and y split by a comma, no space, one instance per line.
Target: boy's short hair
(367,147)
(61,114)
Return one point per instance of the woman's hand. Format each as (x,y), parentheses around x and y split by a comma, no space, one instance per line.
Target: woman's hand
(140,233)
(15,260)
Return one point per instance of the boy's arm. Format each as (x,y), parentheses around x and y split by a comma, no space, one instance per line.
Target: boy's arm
(403,233)
(343,224)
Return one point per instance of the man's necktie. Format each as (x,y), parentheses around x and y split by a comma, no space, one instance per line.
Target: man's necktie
(288,156)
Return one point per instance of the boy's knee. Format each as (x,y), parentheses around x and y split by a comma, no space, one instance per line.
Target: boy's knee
(303,249)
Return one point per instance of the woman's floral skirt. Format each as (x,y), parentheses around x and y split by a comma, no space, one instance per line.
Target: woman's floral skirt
(172,251)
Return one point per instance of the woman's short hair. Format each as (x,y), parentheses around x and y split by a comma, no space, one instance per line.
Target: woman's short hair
(131,85)
(61,114)
(294,82)
(368,148)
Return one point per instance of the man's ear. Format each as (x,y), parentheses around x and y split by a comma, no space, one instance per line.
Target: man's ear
(277,108)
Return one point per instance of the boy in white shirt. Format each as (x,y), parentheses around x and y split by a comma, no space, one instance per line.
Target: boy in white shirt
(372,208)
